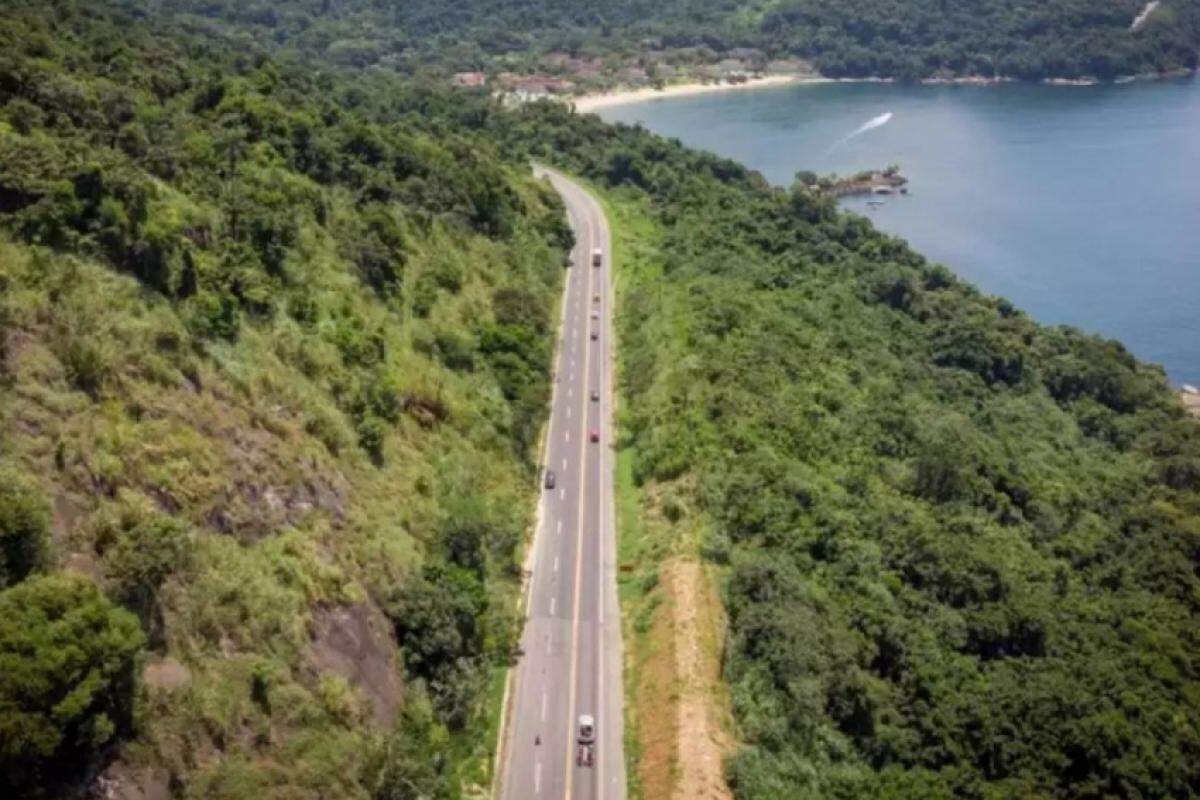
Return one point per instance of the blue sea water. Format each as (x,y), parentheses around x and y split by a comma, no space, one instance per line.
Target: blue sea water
(1080,204)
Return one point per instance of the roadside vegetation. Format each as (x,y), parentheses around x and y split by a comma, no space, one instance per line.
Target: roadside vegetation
(273,357)
(676,709)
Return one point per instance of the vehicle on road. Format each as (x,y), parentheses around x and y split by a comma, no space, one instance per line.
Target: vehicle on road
(595,395)
(595,335)
(595,298)
(585,747)
(595,315)
(549,479)
(597,257)
(594,435)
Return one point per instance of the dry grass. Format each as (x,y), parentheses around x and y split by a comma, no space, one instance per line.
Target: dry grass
(701,741)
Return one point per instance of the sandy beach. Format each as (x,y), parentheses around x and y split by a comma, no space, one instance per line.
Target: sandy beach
(594,102)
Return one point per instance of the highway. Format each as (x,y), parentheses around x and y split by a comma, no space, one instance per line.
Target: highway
(571,662)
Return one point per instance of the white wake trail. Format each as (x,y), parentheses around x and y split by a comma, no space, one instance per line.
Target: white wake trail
(869,125)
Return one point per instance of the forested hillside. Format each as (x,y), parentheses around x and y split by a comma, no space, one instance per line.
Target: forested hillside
(844,38)
(273,354)
(960,549)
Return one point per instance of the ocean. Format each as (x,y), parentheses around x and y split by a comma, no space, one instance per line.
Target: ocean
(1081,204)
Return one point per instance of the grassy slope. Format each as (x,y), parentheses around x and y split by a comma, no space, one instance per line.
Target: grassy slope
(342,435)
(283,526)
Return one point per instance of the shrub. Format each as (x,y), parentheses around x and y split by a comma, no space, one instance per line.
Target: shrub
(87,364)
(143,558)
(437,623)
(412,762)
(24,522)
(372,433)
(67,659)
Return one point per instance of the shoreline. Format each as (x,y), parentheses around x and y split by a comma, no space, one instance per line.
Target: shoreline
(589,103)
(592,102)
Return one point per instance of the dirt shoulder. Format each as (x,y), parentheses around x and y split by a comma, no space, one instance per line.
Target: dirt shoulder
(701,738)
(681,706)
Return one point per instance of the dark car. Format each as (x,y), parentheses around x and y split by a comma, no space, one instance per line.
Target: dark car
(595,335)
(549,479)
(595,395)
(595,435)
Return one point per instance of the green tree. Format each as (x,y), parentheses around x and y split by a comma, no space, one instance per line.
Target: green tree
(412,763)
(143,558)
(24,521)
(67,659)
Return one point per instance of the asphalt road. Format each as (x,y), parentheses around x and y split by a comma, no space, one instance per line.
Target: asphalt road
(572,640)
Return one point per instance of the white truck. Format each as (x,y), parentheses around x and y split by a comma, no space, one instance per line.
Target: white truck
(597,257)
(585,747)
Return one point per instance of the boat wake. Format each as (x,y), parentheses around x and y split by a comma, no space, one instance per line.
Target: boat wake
(869,125)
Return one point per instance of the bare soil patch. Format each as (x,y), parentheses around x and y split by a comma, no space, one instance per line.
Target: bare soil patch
(701,742)
(167,674)
(683,719)
(656,709)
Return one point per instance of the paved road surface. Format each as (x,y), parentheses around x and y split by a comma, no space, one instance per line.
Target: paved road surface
(572,638)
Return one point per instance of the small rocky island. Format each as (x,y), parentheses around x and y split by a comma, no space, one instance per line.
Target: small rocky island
(869,182)
(1190,397)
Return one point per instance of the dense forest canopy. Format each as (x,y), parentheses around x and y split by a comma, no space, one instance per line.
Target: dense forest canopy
(844,38)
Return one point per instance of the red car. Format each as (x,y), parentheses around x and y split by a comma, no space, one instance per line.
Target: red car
(595,435)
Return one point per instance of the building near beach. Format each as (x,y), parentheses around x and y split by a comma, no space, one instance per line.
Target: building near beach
(469,79)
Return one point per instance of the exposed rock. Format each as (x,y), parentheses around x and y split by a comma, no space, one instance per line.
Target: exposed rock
(888,181)
(357,643)
(120,781)
(84,564)
(273,500)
